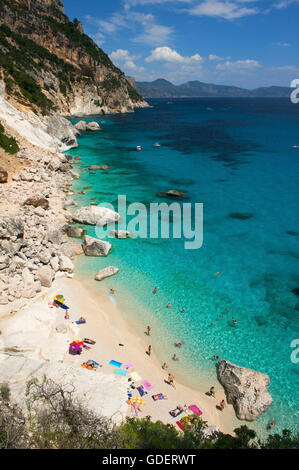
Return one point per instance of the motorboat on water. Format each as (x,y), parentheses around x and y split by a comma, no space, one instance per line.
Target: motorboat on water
(138,147)
(157,144)
(295,146)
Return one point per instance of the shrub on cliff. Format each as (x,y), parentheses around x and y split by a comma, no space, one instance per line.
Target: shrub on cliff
(9,144)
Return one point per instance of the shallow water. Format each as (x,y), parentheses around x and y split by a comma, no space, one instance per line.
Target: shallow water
(236,157)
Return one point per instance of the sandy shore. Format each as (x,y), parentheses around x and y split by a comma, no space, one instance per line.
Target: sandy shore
(107,326)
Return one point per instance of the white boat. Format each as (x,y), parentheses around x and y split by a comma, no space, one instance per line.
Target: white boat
(157,144)
(138,147)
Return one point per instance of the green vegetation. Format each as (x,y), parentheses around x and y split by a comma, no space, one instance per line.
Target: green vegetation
(110,83)
(133,94)
(57,420)
(10,145)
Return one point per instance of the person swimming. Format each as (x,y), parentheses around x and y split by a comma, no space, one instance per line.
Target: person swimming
(178,345)
(175,358)
(165,366)
(234,321)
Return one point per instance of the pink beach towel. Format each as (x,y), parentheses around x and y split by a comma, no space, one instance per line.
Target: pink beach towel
(128,366)
(147,385)
(195,410)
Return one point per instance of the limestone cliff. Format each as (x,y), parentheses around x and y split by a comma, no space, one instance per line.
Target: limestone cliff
(49,64)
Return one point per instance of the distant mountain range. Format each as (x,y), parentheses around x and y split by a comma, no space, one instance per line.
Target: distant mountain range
(164,89)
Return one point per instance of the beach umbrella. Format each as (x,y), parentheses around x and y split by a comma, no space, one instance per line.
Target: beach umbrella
(75,347)
(59,298)
(77,343)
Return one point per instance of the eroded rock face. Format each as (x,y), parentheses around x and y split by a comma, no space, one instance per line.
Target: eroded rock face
(37,201)
(95,215)
(95,247)
(106,272)
(11,227)
(74,232)
(3,175)
(246,390)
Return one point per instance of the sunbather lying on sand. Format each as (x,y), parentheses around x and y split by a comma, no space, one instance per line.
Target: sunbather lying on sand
(88,341)
(178,410)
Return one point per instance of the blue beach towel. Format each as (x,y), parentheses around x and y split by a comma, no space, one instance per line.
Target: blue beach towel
(120,372)
(176,415)
(115,363)
(141,391)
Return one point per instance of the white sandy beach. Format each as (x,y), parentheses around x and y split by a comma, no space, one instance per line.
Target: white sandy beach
(106,325)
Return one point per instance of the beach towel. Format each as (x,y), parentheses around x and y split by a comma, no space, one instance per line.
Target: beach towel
(115,364)
(195,410)
(80,322)
(89,367)
(141,391)
(135,376)
(179,423)
(120,372)
(147,385)
(170,412)
(63,306)
(159,396)
(128,366)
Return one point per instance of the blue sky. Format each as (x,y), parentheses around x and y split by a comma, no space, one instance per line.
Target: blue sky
(246,43)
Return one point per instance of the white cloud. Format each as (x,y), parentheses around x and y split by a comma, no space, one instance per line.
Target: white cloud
(228,10)
(167,55)
(153,33)
(239,65)
(284,3)
(215,57)
(283,44)
(122,58)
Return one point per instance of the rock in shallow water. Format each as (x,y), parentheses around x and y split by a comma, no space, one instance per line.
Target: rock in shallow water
(95,247)
(106,272)
(240,215)
(246,390)
(95,215)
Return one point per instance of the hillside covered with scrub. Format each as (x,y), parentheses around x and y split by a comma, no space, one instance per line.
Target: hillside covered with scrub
(56,420)
(49,64)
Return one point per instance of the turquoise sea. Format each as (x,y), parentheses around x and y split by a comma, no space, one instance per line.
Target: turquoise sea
(235,156)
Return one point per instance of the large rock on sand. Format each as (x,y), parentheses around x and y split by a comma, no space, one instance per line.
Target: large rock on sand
(106,272)
(246,390)
(45,275)
(95,215)
(95,247)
